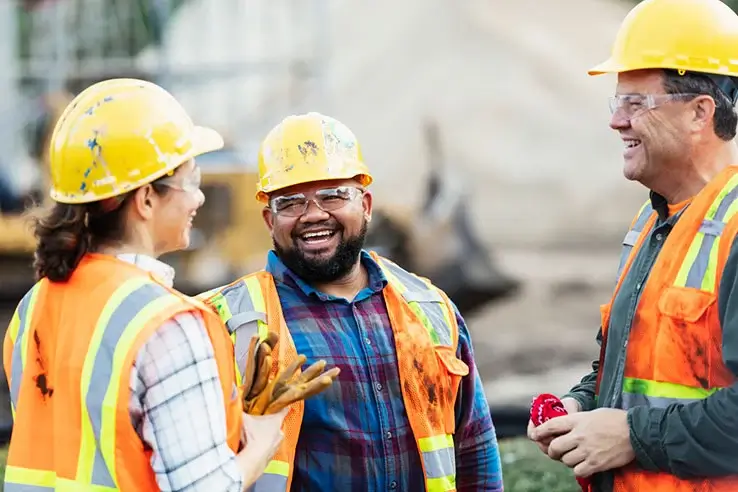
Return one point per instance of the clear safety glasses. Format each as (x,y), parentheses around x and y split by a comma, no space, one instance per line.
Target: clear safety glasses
(190,182)
(326,199)
(633,105)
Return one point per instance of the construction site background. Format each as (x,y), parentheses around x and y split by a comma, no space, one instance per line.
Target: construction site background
(525,130)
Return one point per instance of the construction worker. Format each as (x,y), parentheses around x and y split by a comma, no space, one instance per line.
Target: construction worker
(659,410)
(408,411)
(117,381)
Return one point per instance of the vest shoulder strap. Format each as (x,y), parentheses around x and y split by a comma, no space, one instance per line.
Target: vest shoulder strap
(631,237)
(241,306)
(428,302)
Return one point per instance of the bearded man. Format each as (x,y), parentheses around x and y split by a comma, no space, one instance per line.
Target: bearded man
(408,411)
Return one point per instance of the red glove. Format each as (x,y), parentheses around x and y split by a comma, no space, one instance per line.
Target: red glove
(546,407)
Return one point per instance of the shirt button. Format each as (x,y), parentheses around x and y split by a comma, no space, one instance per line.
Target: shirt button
(659,236)
(393,484)
(389,435)
(378,386)
(368,342)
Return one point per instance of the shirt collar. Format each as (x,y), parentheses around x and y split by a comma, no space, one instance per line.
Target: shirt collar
(163,272)
(283,275)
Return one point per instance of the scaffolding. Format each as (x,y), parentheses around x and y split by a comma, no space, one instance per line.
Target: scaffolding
(238,65)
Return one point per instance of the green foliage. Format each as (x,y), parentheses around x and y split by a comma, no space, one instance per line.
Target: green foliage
(526,469)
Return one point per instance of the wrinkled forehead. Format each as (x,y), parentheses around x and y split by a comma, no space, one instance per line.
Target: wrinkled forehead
(313,186)
(641,82)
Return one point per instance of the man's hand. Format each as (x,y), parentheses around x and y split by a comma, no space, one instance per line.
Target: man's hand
(588,442)
(571,406)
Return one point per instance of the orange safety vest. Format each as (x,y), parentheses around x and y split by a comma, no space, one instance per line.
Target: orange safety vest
(68,354)
(674,353)
(426,337)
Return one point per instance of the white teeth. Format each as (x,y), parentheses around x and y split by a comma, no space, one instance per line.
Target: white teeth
(631,143)
(311,235)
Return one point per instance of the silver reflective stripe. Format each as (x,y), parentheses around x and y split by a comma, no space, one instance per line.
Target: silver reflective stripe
(16,371)
(103,368)
(439,463)
(244,322)
(427,298)
(712,229)
(270,482)
(17,487)
(631,400)
(632,236)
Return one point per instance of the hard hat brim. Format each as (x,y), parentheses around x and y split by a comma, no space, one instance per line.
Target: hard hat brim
(205,140)
(365,179)
(608,66)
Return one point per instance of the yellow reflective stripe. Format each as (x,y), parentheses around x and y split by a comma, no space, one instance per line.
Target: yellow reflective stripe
(87,442)
(441,484)
(18,479)
(434,443)
(692,255)
(110,402)
(710,279)
(276,467)
(257,298)
(414,306)
(661,389)
(221,306)
(24,314)
(14,326)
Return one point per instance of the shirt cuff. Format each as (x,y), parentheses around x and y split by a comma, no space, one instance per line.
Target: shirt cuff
(645,437)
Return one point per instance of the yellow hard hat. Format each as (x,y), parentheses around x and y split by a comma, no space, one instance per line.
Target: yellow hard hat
(305,148)
(689,35)
(118,135)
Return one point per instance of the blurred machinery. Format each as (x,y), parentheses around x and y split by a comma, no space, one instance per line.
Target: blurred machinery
(65,46)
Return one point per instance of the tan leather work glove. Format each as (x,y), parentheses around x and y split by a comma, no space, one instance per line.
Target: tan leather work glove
(270,395)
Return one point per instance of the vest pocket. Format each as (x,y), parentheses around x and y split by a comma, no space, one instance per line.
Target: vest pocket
(680,339)
(455,369)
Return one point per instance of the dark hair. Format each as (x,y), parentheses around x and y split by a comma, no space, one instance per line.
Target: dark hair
(65,232)
(725,119)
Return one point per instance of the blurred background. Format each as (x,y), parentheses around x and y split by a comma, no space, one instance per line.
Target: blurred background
(496,174)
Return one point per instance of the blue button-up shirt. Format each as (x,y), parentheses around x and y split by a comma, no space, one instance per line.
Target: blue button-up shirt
(356,436)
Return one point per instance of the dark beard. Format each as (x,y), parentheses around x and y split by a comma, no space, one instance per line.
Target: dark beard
(323,271)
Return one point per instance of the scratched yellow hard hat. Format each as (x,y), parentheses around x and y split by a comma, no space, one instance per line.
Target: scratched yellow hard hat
(689,35)
(118,135)
(305,148)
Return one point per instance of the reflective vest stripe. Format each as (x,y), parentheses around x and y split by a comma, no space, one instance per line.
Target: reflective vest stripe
(439,461)
(632,236)
(19,328)
(19,479)
(127,311)
(274,477)
(699,269)
(425,302)
(660,394)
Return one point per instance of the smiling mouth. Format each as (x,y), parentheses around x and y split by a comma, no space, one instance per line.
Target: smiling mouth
(632,144)
(317,237)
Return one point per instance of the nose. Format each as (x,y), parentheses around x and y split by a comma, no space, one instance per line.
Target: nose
(200,198)
(618,120)
(313,213)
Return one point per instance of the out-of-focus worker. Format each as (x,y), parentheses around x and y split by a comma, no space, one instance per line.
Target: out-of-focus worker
(117,381)
(660,410)
(408,411)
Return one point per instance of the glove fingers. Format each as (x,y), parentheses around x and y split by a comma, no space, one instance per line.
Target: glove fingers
(248,375)
(261,379)
(271,339)
(290,371)
(296,392)
(311,372)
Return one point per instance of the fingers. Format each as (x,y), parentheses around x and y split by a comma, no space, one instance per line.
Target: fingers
(554,427)
(263,367)
(561,445)
(311,372)
(573,457)
(296,392)
(248,376)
